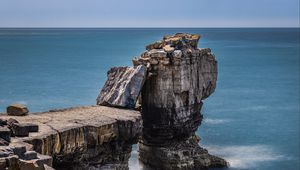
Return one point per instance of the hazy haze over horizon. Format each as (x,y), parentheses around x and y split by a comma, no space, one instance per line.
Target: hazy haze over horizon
(155,13)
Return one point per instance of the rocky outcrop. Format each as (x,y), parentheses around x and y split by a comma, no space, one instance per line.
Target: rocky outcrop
(180,76)
(122,87)
(179,155)
(171,79)
(94,137)
(16,156)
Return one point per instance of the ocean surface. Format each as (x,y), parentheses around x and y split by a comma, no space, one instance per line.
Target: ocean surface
(252,119)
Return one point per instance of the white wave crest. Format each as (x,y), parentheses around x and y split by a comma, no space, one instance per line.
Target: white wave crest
(216,121)
(244,157)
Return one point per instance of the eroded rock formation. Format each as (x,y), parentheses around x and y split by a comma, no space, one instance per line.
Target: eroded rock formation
(180,76)
(170,79)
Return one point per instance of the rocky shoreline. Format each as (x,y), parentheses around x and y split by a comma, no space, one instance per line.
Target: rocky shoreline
(156,103)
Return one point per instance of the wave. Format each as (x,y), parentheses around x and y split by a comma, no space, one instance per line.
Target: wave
(245,157)
(216,121)
(239,157)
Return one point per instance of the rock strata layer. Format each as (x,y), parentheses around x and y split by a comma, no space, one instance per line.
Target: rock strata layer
(94,137)
(180,76)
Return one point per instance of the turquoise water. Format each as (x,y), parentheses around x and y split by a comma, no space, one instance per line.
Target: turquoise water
(252,119)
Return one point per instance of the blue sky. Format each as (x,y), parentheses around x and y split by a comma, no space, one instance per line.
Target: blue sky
(149,13)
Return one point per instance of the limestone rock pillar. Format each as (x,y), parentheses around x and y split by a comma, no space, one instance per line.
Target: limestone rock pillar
(180,76)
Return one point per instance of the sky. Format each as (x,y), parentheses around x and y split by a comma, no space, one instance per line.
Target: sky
(149,13)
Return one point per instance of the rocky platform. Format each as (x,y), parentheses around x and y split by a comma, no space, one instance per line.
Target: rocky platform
(92,137)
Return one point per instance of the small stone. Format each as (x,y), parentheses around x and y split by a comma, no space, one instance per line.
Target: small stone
(17,110)
(5,134)
(168,48)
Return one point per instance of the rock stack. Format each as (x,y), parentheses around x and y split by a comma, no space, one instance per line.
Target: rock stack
(178,77)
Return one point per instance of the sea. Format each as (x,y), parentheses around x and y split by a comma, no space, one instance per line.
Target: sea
(251,120)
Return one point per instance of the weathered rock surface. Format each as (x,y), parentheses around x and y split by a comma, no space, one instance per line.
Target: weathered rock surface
(15,157)
(184,154)
(17,110)
(122,87)
(180,76)
(81,138)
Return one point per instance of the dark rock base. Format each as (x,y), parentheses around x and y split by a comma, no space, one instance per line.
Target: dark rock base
(181,155)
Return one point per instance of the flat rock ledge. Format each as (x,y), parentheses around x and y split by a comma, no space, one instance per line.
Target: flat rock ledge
(91,137)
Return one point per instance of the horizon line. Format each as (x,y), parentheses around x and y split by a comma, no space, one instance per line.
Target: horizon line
(140,27)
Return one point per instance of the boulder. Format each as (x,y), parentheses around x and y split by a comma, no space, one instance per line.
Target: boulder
(17,110)
(122,87)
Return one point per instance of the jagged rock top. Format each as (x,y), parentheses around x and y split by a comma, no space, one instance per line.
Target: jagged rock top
(171,50)
(175,42)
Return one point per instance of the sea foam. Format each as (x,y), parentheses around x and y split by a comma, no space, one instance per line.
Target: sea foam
(245,157)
